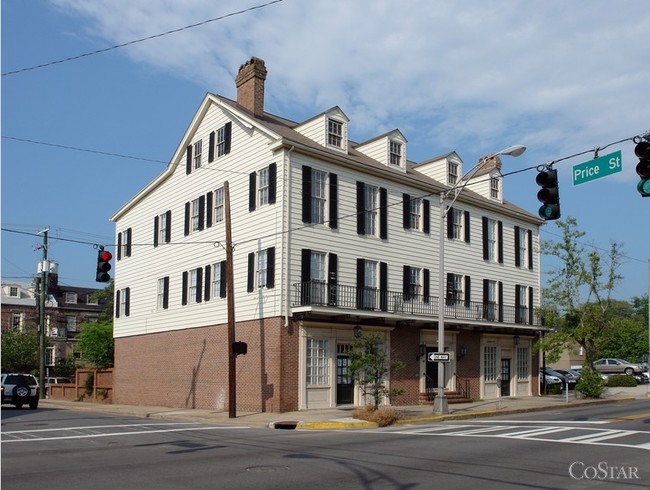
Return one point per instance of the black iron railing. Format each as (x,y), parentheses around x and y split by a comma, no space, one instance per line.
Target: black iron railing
(317,293)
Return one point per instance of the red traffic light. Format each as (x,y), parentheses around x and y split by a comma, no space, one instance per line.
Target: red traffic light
(105,256)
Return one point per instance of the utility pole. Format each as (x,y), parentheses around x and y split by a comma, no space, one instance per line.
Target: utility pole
(42,346)
(230,293)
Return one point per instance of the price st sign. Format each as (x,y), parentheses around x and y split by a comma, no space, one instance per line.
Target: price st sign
(597,168)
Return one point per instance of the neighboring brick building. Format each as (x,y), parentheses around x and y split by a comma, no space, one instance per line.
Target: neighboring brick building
(330,236)
(66,308)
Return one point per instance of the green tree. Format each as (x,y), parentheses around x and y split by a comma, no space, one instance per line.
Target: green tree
(96,344)
(65,367)
(370,365)
(576,303)
(20,352)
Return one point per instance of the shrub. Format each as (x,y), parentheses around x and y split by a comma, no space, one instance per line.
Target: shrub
(591,385)
(620,380)
(383,416)
(554,389)
(89,384)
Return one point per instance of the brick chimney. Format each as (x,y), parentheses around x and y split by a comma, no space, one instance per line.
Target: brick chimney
(250,85)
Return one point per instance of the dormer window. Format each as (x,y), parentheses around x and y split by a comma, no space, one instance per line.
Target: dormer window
(395,153)
(70,297)
(494,188)
(452,172)
(13,291)
(334,133)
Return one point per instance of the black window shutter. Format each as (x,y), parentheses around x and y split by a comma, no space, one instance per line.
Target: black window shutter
(334,201)
(184,293)
(406,274)
(466,225)
(155,231)
(211,148)
(227,135)
(383,286)
(517,297)
(207,278)
(273,177)
(468,291)
(305,276)
(332,279)
(500,244)
(486,289)
(270,267)
(251,272)
(222,281)
(500,301)
(117,303)
(168,231)
(426,286)
(450,222)
(406,211)
(450,286)
(201,212)
(208,209)
(199,284)
(361,199)
(306,194)
(188,160)
(129,240)
(165,304)
(529,247)
(517,254)
(361,281)
(383,213)
(530,306)
(127,301)
(252,187)
(485,238)
(426,216)
(119,246)
(187,218)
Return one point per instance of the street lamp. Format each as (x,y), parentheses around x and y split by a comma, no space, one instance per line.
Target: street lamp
(440,402)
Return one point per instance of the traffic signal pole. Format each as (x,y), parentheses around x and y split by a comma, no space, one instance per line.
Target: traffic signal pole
(42,346)
(230,294)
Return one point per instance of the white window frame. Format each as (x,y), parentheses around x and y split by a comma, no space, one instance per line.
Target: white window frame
(523,357)
(491,230)
(162,228)
(395,153)
(221,141)
(160,293)
(490,362)
(458,223)
(371,207)
(452,173)
(70,297)
(262,268)
(196,154)
(50,355)
(334,133)
(195,214)
(123,301)
(495,191)
(219,205)
(317,362)
(193,278)
(415,282)
(17,320)
(318,196)
(13,291)
(370,283)
(263,186)
(92,300)
(71,323)
(216,280)
(523,247)
(416,213)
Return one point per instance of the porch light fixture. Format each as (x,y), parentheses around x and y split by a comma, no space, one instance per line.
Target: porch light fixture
(422,351)
(462,353)
(440,401)
(357,331)
(515,340)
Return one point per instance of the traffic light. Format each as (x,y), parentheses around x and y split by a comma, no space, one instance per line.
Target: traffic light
(239,348)
(642,150)
(549,194)
(103,265)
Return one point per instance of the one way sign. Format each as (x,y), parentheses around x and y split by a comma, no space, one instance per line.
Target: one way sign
(438,356)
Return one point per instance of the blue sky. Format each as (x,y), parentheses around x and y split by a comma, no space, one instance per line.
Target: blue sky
(474,76)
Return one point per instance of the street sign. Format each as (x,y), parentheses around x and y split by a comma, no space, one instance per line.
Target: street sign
(597,168)
(438,356)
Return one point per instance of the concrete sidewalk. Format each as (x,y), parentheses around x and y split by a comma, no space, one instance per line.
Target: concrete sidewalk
(341,418)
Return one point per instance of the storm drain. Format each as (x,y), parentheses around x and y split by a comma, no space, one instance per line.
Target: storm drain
(286,424)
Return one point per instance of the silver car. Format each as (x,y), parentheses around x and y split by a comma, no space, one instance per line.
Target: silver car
(612,365)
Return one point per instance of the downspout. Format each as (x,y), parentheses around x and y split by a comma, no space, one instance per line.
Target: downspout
(287,237)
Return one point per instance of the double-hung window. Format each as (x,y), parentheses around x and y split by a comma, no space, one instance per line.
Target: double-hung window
(124,243)
(452,173)
(415,218)
(334,133)
(492,240)
(317,362)
(263,186)
(490,362)
(317,283)
(163,228)
(122,302)
(370,208)
(457,226)
(318,197)
(494,188)
(261,269)
(395,153)
(196,159)
(223,139)
(196,214)
(162,296)
(193,285)
(218,279)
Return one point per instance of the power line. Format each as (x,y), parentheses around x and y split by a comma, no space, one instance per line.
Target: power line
(173,31)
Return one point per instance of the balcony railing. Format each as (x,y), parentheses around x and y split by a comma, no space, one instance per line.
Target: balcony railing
(321,294)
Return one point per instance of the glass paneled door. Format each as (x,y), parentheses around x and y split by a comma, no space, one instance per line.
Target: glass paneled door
(344,382)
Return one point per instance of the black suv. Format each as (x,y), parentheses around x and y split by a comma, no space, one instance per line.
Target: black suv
(19,390)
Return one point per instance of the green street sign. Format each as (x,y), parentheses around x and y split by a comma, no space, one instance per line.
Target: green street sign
(597,168)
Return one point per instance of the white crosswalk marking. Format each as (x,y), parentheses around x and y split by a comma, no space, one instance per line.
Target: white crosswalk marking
(576,434)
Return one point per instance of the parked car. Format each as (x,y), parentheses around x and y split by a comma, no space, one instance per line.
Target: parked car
(642,378)
(569,373)
(612,365)
(567,381)
(550,381)
(19,389)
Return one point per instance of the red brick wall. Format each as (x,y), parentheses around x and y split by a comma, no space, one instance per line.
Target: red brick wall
(189,368)
(469,367)
(404,342)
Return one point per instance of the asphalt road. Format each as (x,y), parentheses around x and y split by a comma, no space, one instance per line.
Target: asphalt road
(603,446)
